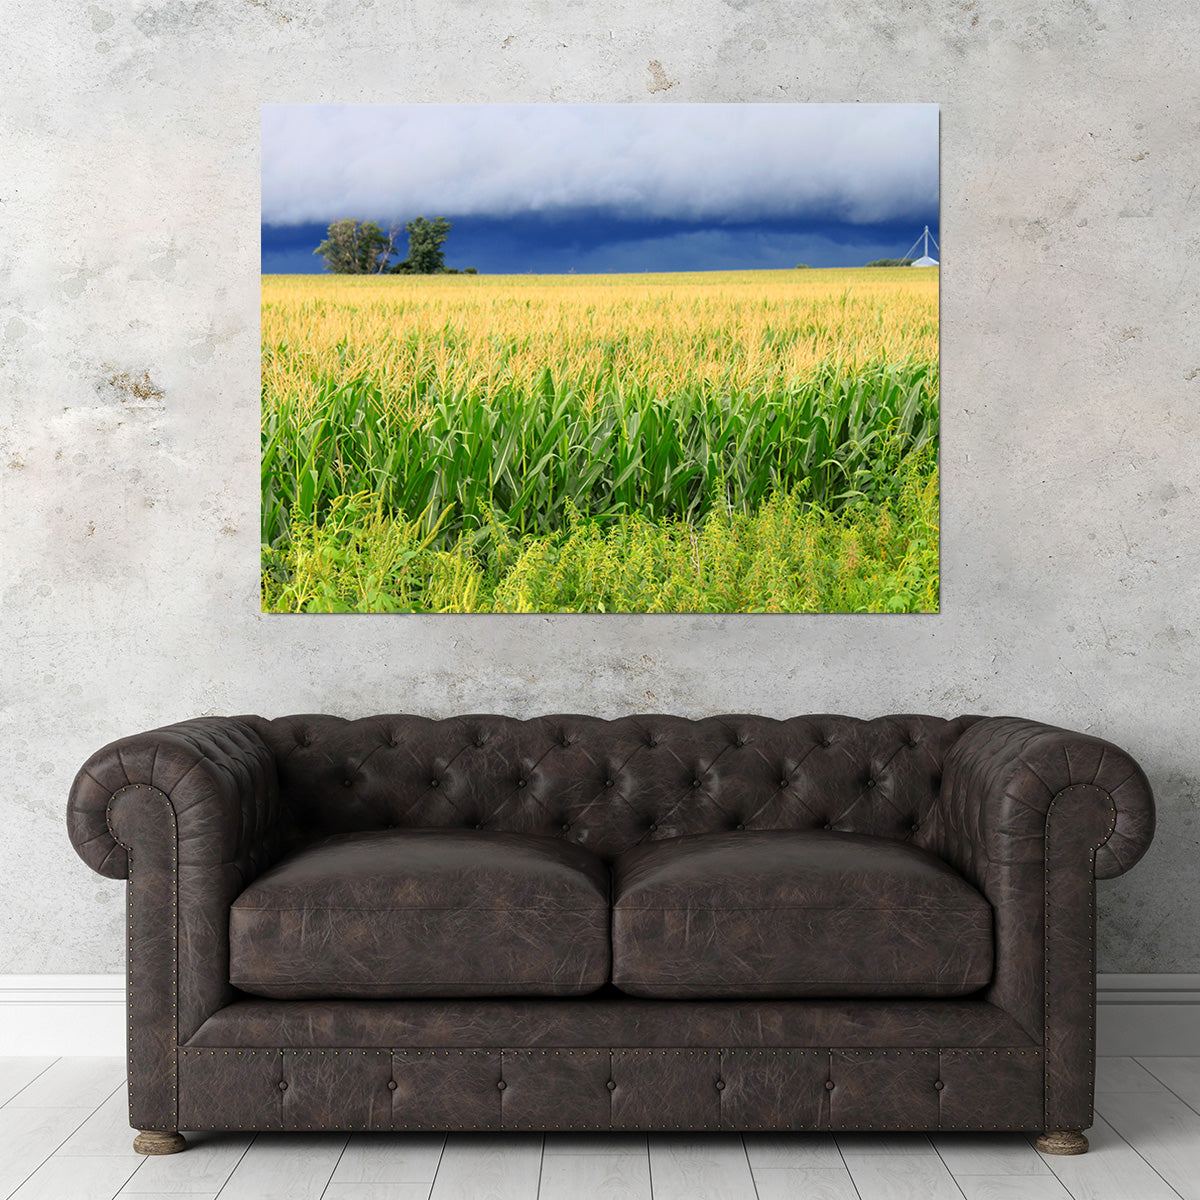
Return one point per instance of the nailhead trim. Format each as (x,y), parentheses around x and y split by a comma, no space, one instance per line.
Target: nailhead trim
(1112,824)
(153,791)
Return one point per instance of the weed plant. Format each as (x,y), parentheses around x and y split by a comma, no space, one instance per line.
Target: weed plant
(788,556)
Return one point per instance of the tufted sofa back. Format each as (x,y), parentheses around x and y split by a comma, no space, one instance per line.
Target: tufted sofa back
(609,785)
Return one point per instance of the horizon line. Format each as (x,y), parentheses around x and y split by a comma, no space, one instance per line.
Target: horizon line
(579,274)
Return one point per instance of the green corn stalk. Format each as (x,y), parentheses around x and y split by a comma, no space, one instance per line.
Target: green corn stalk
(462,463)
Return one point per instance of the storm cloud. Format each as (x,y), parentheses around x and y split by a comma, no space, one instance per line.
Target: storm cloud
(858,164)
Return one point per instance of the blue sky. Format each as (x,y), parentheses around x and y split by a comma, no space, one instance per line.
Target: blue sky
(555,188)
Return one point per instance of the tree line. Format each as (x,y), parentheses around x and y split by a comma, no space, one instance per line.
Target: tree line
(362,248)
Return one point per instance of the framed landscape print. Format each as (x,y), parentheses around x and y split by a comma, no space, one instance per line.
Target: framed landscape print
(659,358)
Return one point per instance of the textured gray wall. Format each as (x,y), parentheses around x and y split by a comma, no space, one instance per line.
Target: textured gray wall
(129,425)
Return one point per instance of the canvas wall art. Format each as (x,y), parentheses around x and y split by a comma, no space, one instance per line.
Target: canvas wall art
(659,358)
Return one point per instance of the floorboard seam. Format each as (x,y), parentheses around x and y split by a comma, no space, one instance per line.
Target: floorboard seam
(53,1152)
(846,1168)
(337,1162)
(237,1164)
(749,1166)
(441,1155)
(1166,1085)
(1166,1182)
(9,1102)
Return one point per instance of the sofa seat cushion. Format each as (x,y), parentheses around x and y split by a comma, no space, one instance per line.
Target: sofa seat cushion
(795,914)
(403,913)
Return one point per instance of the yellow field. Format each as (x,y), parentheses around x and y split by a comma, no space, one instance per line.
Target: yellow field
(745,332)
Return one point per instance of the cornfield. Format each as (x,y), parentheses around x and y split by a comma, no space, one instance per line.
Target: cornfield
(483,413)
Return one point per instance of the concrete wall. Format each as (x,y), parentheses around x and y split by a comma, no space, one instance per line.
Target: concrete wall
(129,423)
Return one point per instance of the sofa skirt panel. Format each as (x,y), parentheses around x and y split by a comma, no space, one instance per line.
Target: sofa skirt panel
(618,1088)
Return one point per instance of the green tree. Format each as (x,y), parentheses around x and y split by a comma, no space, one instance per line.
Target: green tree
(891,262)
(357,248)
(425,241)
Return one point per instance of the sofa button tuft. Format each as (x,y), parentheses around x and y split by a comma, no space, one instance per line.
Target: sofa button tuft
(347,783)
(829,1085)
(611,1085)
(521,782)
(827,825)
(566,825)
(283,1085)
(784,782)
(608,783)
(870,783)
(720,1085)
(478,824)
(652,828)
(392,1085)
(939,1085)
(739,825)
(695,783)
(827,741)
(434,782)
(501,1085)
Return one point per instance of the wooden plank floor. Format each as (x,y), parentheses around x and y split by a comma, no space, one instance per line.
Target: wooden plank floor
(63,1136)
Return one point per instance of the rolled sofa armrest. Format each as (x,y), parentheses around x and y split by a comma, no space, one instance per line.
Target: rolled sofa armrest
(189,814)
(1003,775)
(216,772)
(1032,816)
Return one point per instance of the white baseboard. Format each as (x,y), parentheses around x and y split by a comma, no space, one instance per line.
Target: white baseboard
(1148,1014)
(85,1014)
(62,1014)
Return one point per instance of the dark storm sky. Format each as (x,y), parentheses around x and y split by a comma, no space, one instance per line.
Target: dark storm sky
(553,188)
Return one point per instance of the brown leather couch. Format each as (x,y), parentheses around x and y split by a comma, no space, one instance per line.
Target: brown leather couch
(650,923)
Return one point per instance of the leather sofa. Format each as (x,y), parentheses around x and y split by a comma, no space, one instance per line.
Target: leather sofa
(649,923)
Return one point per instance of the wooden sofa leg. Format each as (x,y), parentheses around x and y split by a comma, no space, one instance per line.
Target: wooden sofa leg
(159,1141)
(1062,1141)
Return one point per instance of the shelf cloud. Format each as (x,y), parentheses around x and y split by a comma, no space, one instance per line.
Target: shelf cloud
(858,164)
